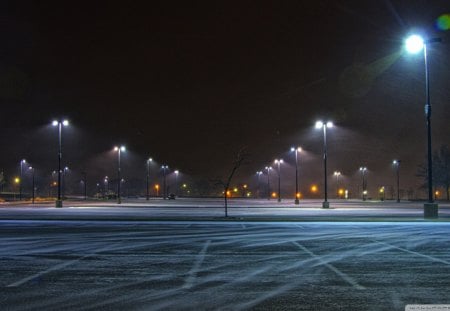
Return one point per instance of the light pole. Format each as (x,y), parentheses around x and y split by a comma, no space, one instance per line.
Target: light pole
(164,168)
(363,170)
(259,173)
(106,183)
(415,44)
(176,182)
(268,169)
(119,179)
(66,169)
(296,151)
(32,183)
(278,163)
(396,163)
(84,184)
(59,124)
(148,177)
(22,162)
(337,175)
(324,126)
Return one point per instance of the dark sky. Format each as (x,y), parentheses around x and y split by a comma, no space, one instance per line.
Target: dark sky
(191,82)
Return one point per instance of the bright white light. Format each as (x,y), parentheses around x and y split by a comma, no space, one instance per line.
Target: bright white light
(329,124)
(150,160)
(292,149)
(23,161)
(414,44)
(54,123)
(319,124)
(177,172)
(122,148)
(65,123)
(116,148)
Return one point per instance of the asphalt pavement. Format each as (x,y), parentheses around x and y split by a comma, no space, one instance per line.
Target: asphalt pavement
(154,265)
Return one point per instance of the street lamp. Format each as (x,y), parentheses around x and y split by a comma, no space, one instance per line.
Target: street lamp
(21,177)
(84,184)
(259,173)
(296,151)
(119,150)
(176,181)
(337,175)
(414,44)
(32,183)
(106,182)
(65,170)
(278,163)
(150,160)
(59,124)
(164,168)
(396,163)
(324,126)
(268,169)
(364,185)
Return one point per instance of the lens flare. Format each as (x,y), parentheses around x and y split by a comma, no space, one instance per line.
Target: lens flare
(443,22)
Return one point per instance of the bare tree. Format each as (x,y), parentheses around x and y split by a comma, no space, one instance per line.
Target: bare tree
(241,159)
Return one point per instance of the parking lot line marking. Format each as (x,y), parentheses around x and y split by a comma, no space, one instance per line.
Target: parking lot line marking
(57,267)
(415,253)
(192,274)
(344,276)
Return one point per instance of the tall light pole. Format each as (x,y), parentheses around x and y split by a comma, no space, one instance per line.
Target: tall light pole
(268,169)
(324,126)
(414,44)
(164,168)
(65,170)
(150,160)
(177,172)
(363,171)
(396,164)
(259,173)
(296,151)
(59,124)
(106,183)
(32,183)
(278,163)
(337,175)
(119,179)
(84,184)
(22,162)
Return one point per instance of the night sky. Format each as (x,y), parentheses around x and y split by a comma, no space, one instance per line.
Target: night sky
(189,83)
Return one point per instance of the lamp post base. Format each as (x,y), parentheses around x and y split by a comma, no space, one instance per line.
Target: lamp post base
(326,204)
(58,203)
(119,201)
(430,210)
(297,201)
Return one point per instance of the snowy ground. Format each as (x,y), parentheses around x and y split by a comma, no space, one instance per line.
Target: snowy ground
(102,265)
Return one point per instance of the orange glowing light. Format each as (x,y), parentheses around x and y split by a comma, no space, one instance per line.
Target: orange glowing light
(314,189)
(228,193)
(341,191)
(245,186)
(156,187)
(437,193)
(298,195)
(274,194)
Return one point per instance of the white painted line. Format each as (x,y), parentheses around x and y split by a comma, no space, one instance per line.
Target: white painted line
(57,267)
(192,275)
(344,276)
(415,253)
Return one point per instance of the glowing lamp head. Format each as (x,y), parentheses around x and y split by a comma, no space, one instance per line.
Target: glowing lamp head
(414,44)
(55,123)
(23,161)
(177,172)
(319,124)
(65,122)
(329,124)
